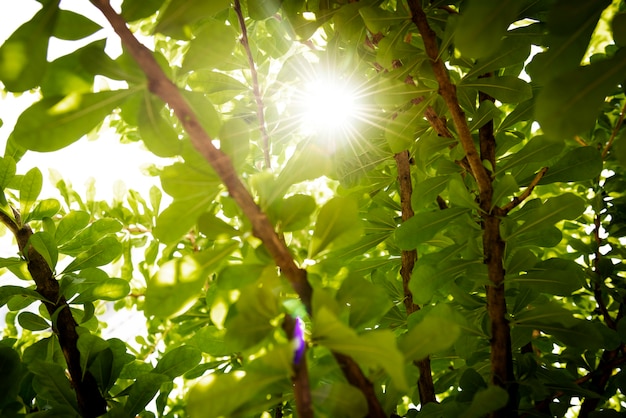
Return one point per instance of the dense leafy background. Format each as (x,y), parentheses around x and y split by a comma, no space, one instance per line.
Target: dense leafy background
(464,231)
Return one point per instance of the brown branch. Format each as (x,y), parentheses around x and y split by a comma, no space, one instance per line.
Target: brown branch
(260,107)
(160,85)
(519,199)
(616,128)
(448,91)
(90,401)
(425,383)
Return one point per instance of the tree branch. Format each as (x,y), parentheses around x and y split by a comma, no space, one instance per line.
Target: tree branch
(260,107)
(90,401)
(425,383)
(448,91)
(160,85)
(519,199)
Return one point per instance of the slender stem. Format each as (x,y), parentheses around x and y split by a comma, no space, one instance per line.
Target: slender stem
(425,383)
(448,91)
(616,129)
(526,193)
(260,107)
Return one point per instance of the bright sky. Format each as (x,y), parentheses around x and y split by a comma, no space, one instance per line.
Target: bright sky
(104,159)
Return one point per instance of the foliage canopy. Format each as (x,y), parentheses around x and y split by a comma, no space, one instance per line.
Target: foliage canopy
(450,245)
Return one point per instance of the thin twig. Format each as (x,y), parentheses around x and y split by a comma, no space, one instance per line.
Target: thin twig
(260,107)
(448,91)
(618,125)
(517,200)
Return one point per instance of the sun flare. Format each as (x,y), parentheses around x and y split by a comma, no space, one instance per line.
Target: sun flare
(329,106)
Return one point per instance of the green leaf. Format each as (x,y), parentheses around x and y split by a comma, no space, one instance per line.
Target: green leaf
(432,334)
(292,213)
(110,289)
(503,187)
(9,291)
(70,225)
(507,89)
(423,226)
(178,282)
(218,395)
(364,299)
(72,26)
(262,9)
(554,276)
(486,112)
(23,56)
(56,122)
(486,401)
(11,372)
(214,44)
(45,208)
(514,50)
(89,345)
(339,399)
(51,384)
(536,150)
(401,131)
(45,245)
(205,111)
(235,140)
(177,17)
(337,224)
(32,322)
(569,104)
(555,209)
(374,349)
(142,391)
(138,9)
(579,164)
(7,171)
(157,134)
(101,253)
(177,361)
(209,339)
(30,187)
(482,25)
(570,24)
(426,191)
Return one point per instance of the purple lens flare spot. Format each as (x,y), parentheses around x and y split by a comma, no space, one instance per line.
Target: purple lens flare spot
(298,341)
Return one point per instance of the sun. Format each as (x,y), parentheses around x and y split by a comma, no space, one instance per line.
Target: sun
(328,107)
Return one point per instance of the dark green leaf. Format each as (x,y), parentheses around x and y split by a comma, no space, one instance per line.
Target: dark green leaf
(507,89)
(56,122)
(32,322)
(579,164)
(619,29)
(482,25)
(11,372)
(51,384)
(486,401)
(555,209)
(8,291)
(142,391)
(339,400)
(89,345)
(569,104)
(553,276)
(514,50)
(537,149)
(364,300)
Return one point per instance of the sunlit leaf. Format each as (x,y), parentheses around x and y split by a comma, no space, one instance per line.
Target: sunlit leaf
(423,226)
(179,14)
(178,361)
(45,245)
(555,209)
(56,122)
(337,224)
(23,56)
(101,253)
(30,187)
(432,334)
(158,134)
(139,9)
